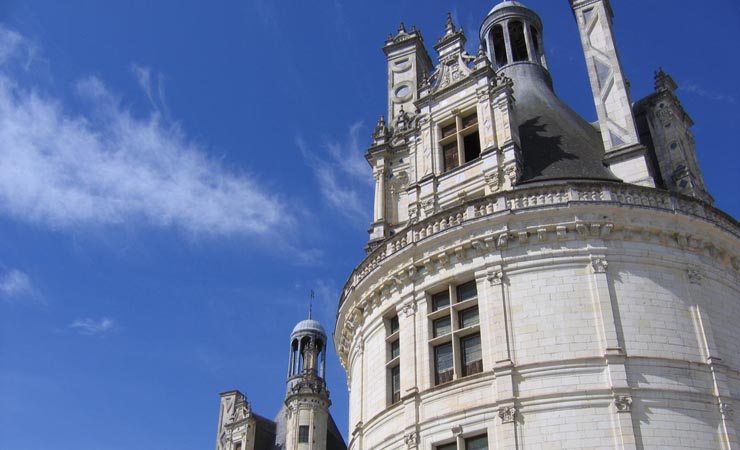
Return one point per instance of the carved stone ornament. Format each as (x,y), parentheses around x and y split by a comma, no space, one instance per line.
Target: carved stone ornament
(695,276)
(409,309)
(413,212)
(399,182)
(493,179)
(512,174)
(428,206)
(457,430)
(411,440)
(507,414)
(623,403)
(599,265)
(495,277)
(726,410)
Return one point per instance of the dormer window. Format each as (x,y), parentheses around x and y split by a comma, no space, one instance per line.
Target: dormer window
(460,141)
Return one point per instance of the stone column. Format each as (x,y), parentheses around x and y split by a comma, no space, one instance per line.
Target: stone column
(531,54)
(379,175)
(507,40)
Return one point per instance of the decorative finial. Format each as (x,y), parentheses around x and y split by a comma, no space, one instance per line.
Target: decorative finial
(481,51)
(310,306)
(402,28)
(449,27)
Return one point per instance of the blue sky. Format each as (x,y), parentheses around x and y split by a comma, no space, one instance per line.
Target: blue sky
(175,177)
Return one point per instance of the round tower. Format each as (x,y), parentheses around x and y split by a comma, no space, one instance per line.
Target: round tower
(306,398)
(533,290)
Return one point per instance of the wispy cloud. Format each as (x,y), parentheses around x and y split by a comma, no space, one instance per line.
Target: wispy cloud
(694,88)
(14,46)
(153,87)
(106,166)
(91,327)
(15,285)
(343,175)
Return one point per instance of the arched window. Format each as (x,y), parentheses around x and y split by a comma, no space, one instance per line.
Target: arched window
(518,41)
(499,46)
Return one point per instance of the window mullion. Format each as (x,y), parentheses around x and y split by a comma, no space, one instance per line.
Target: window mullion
(460,141)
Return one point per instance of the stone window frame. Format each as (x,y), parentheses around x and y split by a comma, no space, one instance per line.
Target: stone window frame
(303,434)
(457,333)
(393,357)
(460,129)
(461,442)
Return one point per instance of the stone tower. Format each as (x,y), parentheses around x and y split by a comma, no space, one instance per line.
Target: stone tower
(306,398)
(304,421)
(534,280)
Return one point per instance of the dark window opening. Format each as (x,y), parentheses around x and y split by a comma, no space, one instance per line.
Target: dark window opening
(471,143)
(396,384)
(395,349)
(472,361)
(442,326)
(449,130)
(469,121)
(393,323)
(440,300)
(469,317)
(238,446)
(443,366)
(467,291)
(450,156)
(303,433)
(477,443)
(499,46)
(460,141)
(518,42)
(452,446)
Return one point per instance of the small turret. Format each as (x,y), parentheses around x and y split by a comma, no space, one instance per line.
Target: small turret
(306,398)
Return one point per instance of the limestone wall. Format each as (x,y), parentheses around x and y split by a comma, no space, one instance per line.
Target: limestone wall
(602,325)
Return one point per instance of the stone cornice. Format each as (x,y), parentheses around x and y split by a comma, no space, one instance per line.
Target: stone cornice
(497,210)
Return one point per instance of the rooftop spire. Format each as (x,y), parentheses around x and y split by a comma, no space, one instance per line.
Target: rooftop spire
(310,305)
(450,26)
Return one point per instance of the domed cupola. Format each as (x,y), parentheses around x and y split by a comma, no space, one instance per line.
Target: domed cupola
(556,143)
(512,34)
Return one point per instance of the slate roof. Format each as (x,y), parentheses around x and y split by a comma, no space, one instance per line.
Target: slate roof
(556,142)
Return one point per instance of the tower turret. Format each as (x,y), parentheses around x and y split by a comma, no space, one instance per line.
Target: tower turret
(556,142)
(306,398)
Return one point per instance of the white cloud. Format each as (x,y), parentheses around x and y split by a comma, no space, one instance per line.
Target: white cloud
(66,170)
(93,326)
(343,175)
(15,284)
(701,92)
